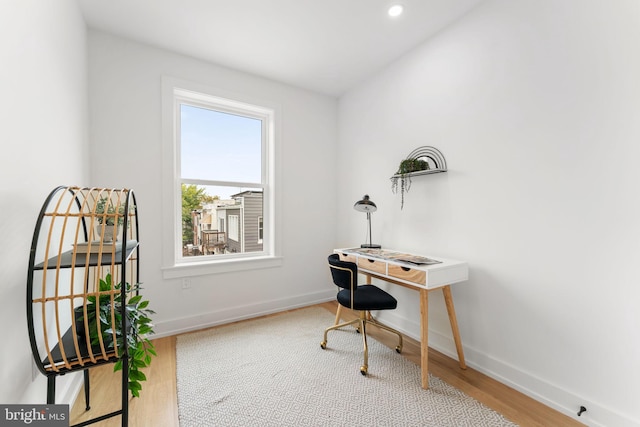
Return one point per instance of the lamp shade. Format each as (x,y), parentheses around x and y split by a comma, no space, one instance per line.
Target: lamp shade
(365,205)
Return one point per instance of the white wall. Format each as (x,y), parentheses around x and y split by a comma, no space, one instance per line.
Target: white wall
(126,141)
(536,107)
(43,81)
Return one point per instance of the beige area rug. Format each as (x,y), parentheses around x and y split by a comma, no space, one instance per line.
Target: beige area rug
(272,372)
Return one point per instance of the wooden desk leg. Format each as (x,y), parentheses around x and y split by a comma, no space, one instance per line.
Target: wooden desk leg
(368,282)
(424,337)
(448,299)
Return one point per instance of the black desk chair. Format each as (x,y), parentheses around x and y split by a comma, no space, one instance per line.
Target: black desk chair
(362,298)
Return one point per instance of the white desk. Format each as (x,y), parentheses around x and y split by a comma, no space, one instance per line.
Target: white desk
(388,265)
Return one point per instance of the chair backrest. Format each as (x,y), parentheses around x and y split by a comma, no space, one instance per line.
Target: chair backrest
(344,273)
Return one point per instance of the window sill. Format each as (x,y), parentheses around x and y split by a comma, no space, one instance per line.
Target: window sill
(223,266)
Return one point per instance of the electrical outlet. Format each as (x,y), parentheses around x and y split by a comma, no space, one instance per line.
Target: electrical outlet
(186,283)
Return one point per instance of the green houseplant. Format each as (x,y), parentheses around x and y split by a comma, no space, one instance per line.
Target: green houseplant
(137,325)
(402,178)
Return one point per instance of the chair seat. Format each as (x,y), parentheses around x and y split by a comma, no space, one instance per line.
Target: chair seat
(367,297)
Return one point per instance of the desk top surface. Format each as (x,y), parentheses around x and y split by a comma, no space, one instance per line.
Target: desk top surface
(438,271)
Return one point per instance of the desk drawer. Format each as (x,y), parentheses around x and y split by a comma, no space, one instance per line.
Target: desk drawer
(407,273)
(347,258)
(373,265)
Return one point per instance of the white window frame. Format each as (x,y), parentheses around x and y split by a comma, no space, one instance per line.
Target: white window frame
(174,92)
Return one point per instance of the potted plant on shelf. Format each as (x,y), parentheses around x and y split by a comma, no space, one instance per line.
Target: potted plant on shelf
(137,326)
(402,177)
(106,216)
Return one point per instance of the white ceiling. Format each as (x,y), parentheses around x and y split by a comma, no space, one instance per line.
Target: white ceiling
(324,45)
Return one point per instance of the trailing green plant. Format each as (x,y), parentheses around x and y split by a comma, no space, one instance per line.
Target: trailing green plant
(403,176)
(137,326)
(106,212)
(412,165)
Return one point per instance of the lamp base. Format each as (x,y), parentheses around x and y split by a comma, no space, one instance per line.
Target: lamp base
(370,246)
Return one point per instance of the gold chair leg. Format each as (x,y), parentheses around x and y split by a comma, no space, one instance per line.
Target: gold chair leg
(338,313)
(362,320)
(390,329)
(387,328)
(363,330)
(323,344)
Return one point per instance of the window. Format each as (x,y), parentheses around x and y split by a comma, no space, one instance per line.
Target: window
(234,228)
(222,190)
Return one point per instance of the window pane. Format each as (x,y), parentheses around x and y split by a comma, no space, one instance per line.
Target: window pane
(234,225)
(219,146)
(218,220)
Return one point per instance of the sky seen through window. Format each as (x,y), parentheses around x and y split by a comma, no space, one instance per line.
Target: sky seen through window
(220,146)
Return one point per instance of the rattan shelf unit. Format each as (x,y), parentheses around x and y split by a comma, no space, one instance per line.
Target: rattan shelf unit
(72,253)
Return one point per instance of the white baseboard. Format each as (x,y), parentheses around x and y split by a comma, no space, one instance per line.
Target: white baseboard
(541,390)
(233,314)
(68,387)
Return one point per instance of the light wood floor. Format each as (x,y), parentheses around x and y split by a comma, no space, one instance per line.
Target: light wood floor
(157,404)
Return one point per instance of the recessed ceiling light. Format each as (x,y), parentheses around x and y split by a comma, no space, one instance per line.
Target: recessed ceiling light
(396,10)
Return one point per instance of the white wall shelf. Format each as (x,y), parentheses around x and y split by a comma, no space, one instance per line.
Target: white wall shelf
(434,158)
